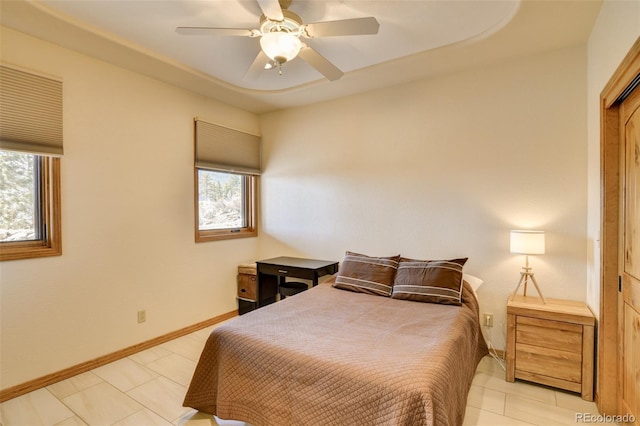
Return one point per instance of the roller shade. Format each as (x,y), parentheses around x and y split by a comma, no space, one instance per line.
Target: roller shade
(223,149)
(30,112)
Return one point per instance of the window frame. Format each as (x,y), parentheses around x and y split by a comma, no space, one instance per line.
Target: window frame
(250,210)
(50,206)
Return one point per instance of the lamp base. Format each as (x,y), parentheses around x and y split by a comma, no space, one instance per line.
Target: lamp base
(524,278)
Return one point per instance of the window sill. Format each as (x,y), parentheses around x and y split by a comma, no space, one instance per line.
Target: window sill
(28,250)
(225,234)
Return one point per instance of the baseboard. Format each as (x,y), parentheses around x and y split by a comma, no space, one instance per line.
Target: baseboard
(49,379)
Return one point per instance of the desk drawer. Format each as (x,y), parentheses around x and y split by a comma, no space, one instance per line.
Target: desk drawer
(284,271)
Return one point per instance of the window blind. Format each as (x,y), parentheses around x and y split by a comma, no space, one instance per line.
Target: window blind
(30,112)
(223,149)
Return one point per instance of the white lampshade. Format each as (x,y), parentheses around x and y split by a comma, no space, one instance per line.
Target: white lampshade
(527,242)
(280,46)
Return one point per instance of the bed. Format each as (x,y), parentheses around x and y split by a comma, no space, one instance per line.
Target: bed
(333,357)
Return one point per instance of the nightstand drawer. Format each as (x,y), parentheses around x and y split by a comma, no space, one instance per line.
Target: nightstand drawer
(247,287)
(549,334)
(549,362)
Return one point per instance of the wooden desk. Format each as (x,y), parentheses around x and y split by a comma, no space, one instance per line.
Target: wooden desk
(273,272)
(551,344)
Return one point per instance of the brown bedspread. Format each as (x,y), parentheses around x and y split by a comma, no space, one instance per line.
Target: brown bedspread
(333,357)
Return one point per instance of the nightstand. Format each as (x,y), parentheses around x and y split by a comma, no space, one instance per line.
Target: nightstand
(247,288)
(551,344)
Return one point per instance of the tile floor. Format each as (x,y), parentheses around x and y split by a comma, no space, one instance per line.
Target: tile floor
(148,388)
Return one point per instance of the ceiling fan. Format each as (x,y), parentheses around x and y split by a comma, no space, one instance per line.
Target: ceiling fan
(280,33)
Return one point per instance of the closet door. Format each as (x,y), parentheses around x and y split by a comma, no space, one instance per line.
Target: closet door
(629,297)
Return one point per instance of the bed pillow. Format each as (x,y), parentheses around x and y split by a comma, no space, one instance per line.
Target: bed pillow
(473,281)
(366,274)
(433,281)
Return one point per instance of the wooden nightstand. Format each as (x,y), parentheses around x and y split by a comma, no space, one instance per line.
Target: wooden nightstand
(247,288)
(551,344)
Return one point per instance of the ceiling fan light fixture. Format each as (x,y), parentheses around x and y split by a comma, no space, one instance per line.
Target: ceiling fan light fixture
(280,46)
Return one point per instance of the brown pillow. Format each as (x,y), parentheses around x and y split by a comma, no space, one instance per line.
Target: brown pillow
(365,274)
(434,281)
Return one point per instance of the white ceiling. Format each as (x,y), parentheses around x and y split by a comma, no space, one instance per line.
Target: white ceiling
(417,39)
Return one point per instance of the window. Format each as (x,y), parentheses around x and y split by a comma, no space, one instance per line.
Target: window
(30,147)
(225,205)
(30,207)
(226,177)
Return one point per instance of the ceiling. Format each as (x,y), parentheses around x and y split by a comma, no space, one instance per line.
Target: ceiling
(417,39)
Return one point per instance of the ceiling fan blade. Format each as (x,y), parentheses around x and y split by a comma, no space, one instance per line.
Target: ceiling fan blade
(356,26)
(215,31)
(320,63)
(257,67)
(271,9)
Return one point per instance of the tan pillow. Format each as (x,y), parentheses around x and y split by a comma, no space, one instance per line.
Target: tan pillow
(433,281)
(365,274)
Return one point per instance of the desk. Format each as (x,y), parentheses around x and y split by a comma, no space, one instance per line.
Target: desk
(273,272)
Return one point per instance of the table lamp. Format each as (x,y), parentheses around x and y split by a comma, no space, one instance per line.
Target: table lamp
(527,243)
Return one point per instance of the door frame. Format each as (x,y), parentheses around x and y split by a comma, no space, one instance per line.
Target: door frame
(608,383)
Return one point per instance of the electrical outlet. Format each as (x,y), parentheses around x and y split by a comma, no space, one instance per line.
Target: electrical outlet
(488,320)
(142,316)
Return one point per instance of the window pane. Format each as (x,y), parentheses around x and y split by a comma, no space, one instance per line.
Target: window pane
(19,197)
(220,200)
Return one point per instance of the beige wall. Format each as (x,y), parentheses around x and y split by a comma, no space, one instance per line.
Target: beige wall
(432,169)
(127,216)
(438,169)
(615,31)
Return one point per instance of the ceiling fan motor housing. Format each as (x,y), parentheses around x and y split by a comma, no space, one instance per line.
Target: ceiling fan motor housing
(290,23)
